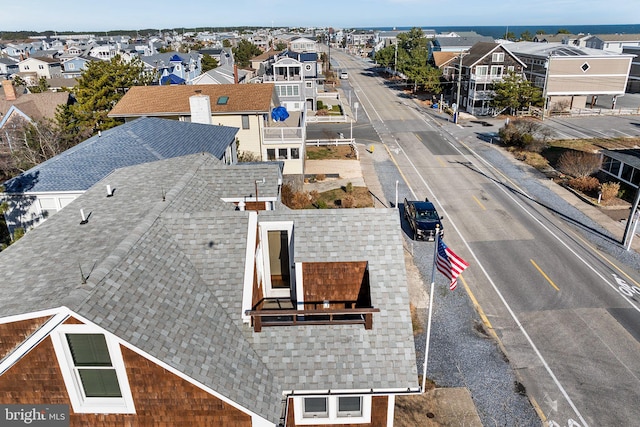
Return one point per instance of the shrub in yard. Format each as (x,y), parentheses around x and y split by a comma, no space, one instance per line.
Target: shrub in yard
(578,163)
(297,199)
(610,190)
(526,134)
(584,183)
(286,194)
(321,177)
(348,188)
(320,105)
(321,204)
(300,200)
(314,196)
(348,202)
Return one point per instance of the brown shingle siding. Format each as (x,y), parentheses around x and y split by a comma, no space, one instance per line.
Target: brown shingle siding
(13,334)
(160,398)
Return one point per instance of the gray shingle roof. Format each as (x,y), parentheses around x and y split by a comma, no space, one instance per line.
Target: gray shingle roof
(139,141)
(164,268)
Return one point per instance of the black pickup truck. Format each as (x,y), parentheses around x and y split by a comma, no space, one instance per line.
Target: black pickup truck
(423,219)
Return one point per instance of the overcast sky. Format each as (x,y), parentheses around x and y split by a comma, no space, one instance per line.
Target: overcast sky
(68,15)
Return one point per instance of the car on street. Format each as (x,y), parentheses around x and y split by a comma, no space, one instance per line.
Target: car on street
(344,75)
(423,219)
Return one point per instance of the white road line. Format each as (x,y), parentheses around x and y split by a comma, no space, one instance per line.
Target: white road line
(623,133)
(494,286)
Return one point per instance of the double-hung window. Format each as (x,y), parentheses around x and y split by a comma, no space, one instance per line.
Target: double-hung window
(92,365)
(93,370)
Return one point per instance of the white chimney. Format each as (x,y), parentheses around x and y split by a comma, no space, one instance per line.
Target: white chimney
(200,106)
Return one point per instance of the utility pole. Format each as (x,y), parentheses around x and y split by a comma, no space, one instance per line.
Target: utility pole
(457,109)
(329,46)
(395,61)
(630,221)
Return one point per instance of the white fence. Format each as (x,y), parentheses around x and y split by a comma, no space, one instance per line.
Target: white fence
(598,112)
(327,119)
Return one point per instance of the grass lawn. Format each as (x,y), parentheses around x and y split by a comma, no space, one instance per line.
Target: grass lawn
(325,152)
(359,197)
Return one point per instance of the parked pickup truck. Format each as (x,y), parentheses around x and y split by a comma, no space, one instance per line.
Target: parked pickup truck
(423,219)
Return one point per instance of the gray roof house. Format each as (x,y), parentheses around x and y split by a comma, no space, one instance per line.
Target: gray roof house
(456,44)
(207,313)
(48,187)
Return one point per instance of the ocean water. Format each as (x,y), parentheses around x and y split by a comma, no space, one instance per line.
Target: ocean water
(498,32)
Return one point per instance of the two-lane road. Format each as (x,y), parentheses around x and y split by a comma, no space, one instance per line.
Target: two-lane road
(567,314)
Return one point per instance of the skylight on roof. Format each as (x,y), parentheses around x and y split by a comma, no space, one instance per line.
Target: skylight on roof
(222,100)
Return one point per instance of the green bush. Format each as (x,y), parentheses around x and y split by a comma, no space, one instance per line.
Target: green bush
(348,188)
(320,105)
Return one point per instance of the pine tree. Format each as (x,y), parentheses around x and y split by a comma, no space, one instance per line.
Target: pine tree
(99,88)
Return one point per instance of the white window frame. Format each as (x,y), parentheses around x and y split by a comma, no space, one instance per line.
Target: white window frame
(92,405)
(497,57)
(288,90)
(264,228)
(482,70)
(496,71)
(333,417)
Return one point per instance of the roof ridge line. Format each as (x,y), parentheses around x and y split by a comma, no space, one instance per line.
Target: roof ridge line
(103,269)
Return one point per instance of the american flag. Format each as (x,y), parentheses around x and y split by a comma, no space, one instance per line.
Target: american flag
(449,264)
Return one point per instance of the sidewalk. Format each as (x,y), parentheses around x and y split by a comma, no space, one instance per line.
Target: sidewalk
(470,128)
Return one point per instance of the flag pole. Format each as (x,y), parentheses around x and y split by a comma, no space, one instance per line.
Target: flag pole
(433,280)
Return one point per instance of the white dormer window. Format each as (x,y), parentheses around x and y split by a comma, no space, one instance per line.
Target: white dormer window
(497,57)
(93,370)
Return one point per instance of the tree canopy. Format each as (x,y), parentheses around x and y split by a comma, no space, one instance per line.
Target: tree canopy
(515,93)
(101,85)
(244,52)
(410,57)
(526,36)
(208,63)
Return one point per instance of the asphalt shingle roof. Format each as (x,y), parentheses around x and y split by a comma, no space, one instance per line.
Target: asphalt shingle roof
(139,141)
(164,270)
(174,100)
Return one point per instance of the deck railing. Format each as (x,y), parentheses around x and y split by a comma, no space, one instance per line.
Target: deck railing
(320,316)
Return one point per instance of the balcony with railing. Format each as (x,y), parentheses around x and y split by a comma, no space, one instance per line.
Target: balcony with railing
(481,95)
(486,78)
(267,78)
(290,131)
(335,293)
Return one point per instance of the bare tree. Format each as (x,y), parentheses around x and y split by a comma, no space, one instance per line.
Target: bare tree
(579,163)
(30,143)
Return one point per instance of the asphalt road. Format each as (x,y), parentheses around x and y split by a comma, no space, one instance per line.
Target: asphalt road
(549,281)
